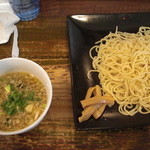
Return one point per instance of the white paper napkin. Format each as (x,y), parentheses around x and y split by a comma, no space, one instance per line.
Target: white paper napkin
(7,26)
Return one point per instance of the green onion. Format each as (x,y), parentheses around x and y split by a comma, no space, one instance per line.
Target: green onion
(17,101)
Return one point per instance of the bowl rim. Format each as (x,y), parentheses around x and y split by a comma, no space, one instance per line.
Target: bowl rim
(49,99)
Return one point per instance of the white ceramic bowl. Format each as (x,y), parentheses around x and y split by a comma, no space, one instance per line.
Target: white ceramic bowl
(8,65)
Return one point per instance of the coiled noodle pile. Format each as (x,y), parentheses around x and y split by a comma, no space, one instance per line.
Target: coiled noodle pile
(123,64)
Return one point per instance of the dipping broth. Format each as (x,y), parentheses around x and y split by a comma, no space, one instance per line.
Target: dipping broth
(22,100)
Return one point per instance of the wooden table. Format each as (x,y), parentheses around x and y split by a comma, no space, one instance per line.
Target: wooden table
(44,40)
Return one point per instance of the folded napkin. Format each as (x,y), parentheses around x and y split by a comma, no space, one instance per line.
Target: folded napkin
(7,23)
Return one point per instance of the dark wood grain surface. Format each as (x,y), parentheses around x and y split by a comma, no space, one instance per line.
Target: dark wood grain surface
(44,40)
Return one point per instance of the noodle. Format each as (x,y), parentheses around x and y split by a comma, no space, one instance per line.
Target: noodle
(123,64)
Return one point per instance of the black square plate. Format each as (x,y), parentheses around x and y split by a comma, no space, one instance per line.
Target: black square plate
(83,32)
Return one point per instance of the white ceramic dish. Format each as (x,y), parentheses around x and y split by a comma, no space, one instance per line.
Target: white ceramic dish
(8,65)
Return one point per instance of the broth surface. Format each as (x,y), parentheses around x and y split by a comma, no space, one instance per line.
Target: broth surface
(22,100)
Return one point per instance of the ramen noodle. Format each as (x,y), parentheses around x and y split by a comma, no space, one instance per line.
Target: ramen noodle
(122,61)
